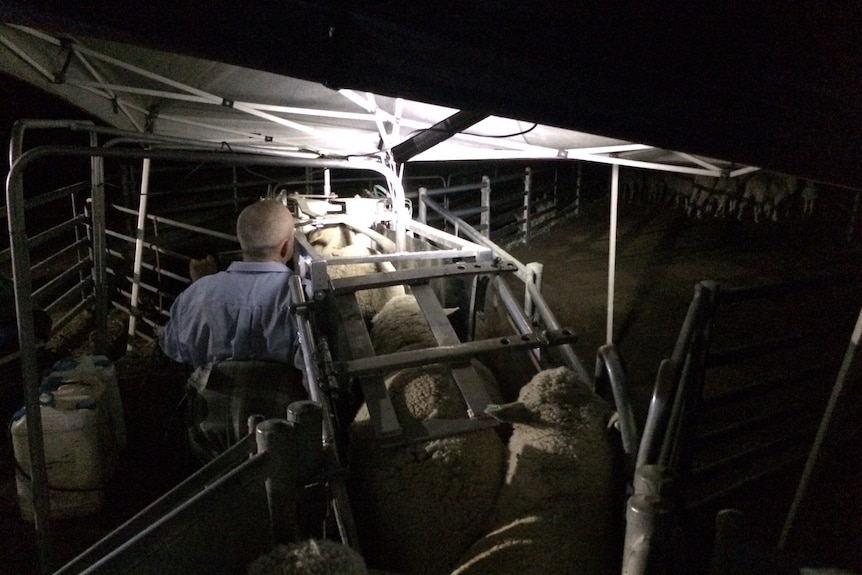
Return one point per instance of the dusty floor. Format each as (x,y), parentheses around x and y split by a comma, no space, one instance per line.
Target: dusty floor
(660,258)
(661,255)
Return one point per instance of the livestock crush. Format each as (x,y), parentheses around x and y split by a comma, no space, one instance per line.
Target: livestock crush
(123,257)
(124,251)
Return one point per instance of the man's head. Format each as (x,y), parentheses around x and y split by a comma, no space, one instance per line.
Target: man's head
(265,232)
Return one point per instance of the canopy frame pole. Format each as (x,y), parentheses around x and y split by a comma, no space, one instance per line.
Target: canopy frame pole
(139,249)
(612,250)
(99,248)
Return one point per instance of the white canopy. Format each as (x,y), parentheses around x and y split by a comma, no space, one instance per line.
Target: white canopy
(173,95)
(179,96)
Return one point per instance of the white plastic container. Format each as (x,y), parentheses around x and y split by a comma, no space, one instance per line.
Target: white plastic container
(80,450)
(72,369)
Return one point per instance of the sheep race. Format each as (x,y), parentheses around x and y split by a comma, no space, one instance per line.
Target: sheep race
(446,430)
(531,484)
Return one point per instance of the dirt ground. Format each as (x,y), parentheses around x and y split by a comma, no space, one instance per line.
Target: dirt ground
(661,255)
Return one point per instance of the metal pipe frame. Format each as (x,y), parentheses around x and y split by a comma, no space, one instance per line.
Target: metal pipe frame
(524,274)
(193,484)
(176,224)
(609,362)
(452,353)
(823,430)
(612,252)
(675,450)
(310,355)
(210,502)
(21,265)
(474,236)
(516,315)
(526,219)
(140,230)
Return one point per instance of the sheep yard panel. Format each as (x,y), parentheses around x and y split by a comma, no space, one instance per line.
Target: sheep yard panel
(147,210)
(440,270)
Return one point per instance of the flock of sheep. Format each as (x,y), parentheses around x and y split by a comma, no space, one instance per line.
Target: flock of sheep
(760,196)
(538,494)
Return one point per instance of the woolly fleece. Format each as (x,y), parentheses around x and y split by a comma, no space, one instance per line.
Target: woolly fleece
(370,301)
(556,511)
(312,557)
(419,507)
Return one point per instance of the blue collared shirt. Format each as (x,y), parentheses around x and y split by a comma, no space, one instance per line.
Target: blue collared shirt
(241,313)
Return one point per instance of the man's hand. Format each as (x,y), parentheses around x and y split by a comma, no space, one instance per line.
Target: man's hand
(201,268)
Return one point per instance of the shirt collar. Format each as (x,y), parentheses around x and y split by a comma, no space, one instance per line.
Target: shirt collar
(253,267)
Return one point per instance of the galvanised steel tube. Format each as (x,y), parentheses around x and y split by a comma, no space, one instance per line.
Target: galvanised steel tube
(609,361)
(522,324)
(524,274)
(99,248)
(21,263)
(552,324)
(186,490)
(823,430)
(29,367)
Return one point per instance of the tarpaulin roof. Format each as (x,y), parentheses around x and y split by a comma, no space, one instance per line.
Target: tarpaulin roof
(779,89)
(180,96)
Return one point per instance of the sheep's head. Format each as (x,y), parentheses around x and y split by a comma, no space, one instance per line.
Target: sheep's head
(561,397)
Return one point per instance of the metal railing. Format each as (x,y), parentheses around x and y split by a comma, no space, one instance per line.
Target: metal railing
(21,249)
(730,409)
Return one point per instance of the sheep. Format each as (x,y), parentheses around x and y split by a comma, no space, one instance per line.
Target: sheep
(700,202)
(630,185)
(342,242)
(556,511)
(311,557)
(726,193)
(809,195)
(755,192)
(372,300)
(331,237)
(418,507)
(678,188)
(780,191)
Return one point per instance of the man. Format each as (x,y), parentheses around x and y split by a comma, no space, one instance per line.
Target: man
(243,315)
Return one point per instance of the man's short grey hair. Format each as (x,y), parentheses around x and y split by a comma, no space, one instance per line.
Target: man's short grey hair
(262,227)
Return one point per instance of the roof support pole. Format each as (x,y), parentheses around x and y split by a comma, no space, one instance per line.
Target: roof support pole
(99,248)
(139,248)
(612,249)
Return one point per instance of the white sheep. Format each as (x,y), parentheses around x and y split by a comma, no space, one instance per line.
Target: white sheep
(557,510)
(419,507)
(755,192)
(678,188)
(330,237)
(372,300)
(312,557)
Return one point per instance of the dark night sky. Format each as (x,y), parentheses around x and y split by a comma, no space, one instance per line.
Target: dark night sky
(776,86)
(21,100)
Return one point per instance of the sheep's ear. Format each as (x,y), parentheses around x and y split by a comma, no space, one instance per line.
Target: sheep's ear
(450,310)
